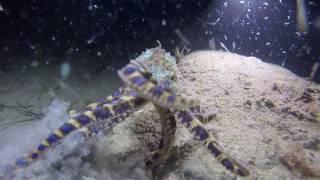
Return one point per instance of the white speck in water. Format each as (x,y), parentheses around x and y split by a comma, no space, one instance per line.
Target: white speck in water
(53,38)
(241,2)
(301,16)
(314,69)
(214,23)
(65,70)
(233,46)
(224,47)
(163,22)
(265,3)
(268,43)
(5,49)
(99,53)
(283,63)
(34,64)
(317,23)
(212,44)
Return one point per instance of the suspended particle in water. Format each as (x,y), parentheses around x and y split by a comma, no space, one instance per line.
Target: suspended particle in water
(163,22)
(317,23)
(301,16)
(65,70)
(182,37)
(314,69)
(212,44)
(5,49)
(34,64)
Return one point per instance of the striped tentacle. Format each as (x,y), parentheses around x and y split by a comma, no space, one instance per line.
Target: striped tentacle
(168,127)
(112,113)
(137,79)
(97,127)
(195,126)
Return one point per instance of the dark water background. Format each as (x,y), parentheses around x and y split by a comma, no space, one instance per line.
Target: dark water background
(109,32)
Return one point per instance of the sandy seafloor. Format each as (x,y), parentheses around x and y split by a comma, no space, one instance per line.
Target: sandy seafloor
(263,115)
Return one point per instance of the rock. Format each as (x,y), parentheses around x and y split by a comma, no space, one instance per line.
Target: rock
(305,161)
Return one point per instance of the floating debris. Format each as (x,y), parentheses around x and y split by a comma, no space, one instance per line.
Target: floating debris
(182,37)
(34,63)
(65,70)
(163,22)
(317,23)
(314,69)
(233,46)
(301,16)
(224,47)
(214,23)
(1,7)
(212,44)
(283,63)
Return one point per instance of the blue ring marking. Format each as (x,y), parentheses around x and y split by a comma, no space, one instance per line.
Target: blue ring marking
(129,70)
(214,150)
(185,117)
(227,163)
(171,99)
(66,128)
(139,80)
(83,119)
(34,155)
(41,147)
(21,162)
(241,173)
(115,102)
(102,113)
(157,91)
(52,138)
(123,108)
(202,133)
